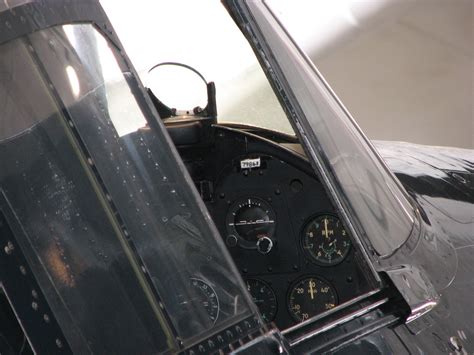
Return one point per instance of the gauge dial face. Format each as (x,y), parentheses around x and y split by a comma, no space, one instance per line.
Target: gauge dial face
(309,297)
(206,298)
(264,297)
(250,219)
(325,240)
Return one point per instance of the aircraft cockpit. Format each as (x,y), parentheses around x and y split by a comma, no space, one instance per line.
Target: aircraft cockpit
(132,224)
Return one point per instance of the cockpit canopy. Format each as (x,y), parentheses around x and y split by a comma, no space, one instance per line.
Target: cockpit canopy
(92,193)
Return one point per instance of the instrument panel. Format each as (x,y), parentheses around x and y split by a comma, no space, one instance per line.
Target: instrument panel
(291,248)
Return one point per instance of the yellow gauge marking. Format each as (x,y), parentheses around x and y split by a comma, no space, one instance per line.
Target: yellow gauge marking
(326,227)
(311,290)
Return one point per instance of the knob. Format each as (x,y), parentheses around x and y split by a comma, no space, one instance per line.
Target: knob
(264,245)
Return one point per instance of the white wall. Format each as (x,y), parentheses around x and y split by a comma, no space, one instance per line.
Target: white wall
(404,68)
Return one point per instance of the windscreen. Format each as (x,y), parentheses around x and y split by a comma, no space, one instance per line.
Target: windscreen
(124,251)
(353,170)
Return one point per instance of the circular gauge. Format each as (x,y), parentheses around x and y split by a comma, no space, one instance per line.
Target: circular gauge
(250,219)
(325,240)
(206,297)
(264,297)
(309,297)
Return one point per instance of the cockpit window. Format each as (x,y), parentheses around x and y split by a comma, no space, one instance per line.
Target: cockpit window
(19,77)
(106,211)
(335,143)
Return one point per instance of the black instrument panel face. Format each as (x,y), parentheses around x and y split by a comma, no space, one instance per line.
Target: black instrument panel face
(281,229)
